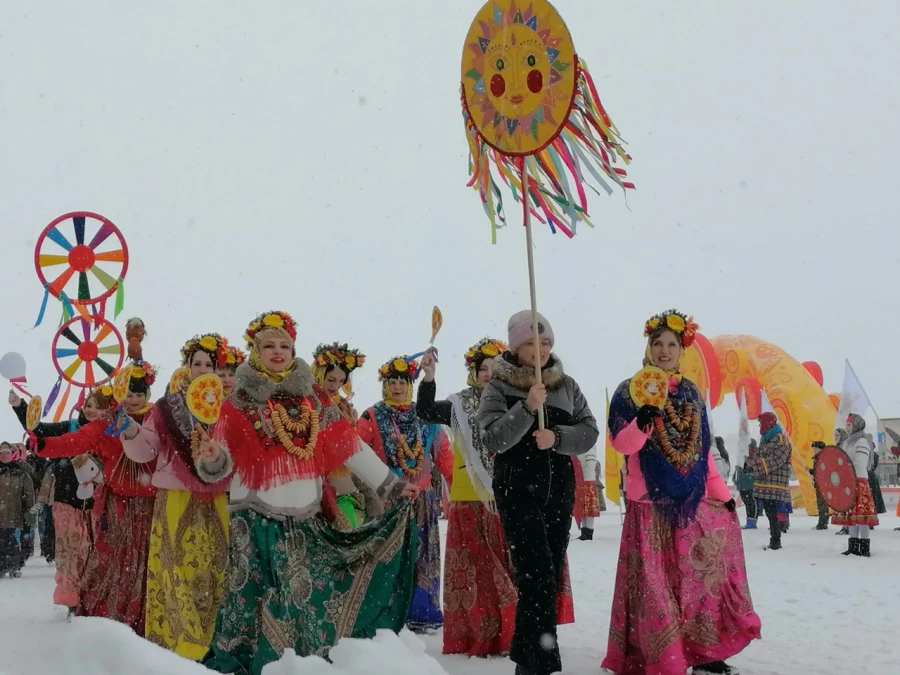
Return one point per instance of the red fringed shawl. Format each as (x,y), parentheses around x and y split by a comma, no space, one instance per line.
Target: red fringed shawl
(261,462)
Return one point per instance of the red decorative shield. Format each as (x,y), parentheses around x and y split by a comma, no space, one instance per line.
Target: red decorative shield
(836,478)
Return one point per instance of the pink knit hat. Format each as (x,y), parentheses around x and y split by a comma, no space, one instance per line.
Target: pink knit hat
(520,329)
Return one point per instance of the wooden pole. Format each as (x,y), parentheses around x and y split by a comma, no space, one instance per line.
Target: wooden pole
(531,286)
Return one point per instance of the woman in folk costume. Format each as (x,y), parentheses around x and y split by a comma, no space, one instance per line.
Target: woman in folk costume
(479,594)
(771,469)
(115,574)
(587,499)
(332,366)
(861,516)
(411,448)
(293,581)
(71,514)
(189,535)
(681,597)
(534,480)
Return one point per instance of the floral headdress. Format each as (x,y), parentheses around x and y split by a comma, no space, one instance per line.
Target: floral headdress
(339,355)
(680,324)
(211,343)
(144,372)
(271,320)
(486,348)
(234,356)
(105,392)
(399,369)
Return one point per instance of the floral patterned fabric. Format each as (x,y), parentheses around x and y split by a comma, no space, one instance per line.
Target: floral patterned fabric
(73,541)
(425,611)
(479,592)
(302,585)
(681,595)
(115,575)
(863,511)
(186,570)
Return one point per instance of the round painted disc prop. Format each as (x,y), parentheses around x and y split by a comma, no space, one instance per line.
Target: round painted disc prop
(12,364)
(33,413)
(120,383)
(519,73)
(836,478)
(650,386)
(178,377)
(204,398)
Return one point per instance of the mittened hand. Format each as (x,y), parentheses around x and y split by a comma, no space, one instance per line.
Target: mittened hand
(730,505)
(646,415)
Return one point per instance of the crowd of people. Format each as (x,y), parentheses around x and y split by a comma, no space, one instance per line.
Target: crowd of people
(295,520)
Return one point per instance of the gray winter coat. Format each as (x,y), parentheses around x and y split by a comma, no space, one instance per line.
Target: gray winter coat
(505,422)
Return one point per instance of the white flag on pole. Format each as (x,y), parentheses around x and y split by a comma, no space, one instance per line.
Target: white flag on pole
(743,448)
(853,397)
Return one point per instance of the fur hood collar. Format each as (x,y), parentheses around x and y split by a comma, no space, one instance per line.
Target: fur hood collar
(508,370)
(260,388)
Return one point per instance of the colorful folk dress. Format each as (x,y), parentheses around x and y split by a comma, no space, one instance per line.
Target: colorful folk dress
(293,581)
(115,573)
(681,596)
(396,433)
(188,536)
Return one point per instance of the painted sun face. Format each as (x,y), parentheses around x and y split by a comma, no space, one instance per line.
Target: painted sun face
(519,72)
(516,68)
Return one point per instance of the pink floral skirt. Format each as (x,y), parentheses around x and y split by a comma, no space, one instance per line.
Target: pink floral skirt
(73,542)
(681,596)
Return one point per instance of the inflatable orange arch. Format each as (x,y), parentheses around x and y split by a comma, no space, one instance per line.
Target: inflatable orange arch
(729,364)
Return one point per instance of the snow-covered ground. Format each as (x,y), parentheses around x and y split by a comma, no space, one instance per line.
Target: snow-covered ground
(822,614)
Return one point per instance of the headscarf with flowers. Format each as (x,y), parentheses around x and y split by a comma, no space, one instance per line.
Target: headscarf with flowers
(270,323)
(398,368)
(234,356)
(143,375)
(484,349)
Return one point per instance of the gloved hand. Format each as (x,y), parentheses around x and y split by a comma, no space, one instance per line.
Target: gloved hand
(818,445)
(730,505)
(646,414)
(36,509)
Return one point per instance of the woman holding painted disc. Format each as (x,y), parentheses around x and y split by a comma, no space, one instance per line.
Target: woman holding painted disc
(289,571)
(681,597)
(189,535)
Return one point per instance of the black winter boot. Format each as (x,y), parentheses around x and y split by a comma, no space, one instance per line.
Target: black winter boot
(715,668)
(843,530)
(853,547)
(864,549)
(587,534)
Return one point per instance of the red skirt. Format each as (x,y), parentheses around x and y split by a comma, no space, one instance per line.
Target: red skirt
(114,585)
(587,501)
(863,510)
(681,596)
(73,541)
(479,592)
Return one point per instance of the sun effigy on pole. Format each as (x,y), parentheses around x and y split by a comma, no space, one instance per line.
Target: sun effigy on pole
(534,123)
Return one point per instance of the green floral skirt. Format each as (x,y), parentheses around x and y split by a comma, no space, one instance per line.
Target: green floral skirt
(304,585)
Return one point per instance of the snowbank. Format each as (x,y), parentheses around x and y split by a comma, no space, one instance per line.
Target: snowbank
(402,654)
(103,647)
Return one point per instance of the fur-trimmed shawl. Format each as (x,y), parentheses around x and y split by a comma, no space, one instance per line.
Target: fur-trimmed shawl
(522,377)
(260,389)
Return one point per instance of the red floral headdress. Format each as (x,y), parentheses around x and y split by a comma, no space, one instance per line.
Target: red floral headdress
(211,343)
(680,324)
(399,368)
(145,372)
(486,348)
(234,356)
(337,354)
(271,320)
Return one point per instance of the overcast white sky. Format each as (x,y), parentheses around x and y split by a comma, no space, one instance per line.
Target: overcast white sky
(311,157)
